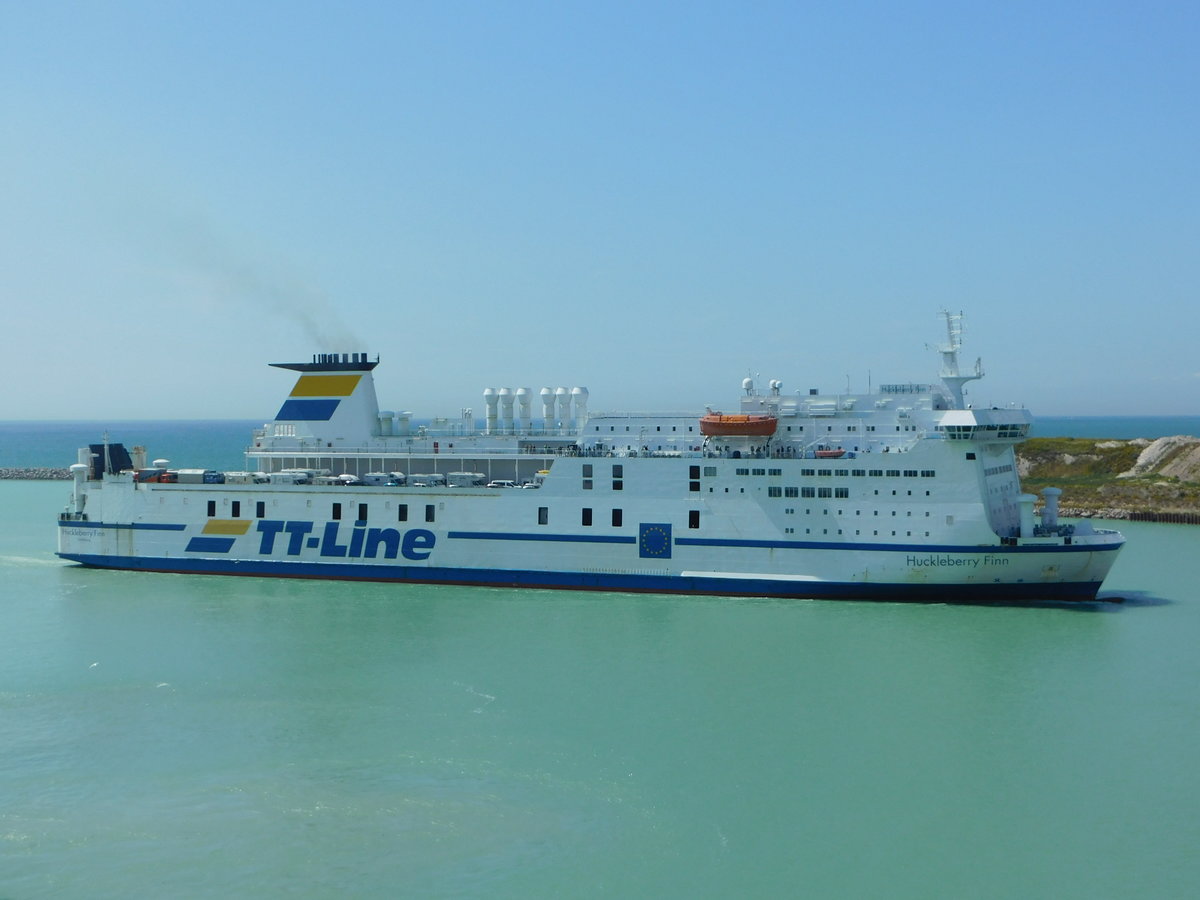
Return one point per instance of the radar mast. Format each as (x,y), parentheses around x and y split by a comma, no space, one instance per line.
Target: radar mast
(950,374)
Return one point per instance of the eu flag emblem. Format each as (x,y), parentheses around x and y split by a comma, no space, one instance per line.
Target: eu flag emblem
(654,541)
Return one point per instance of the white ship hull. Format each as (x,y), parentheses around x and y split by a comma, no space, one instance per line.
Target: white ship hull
(493,537)
(902,494)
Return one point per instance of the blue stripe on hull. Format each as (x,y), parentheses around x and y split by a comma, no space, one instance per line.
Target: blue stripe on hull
(658,584)
(131,526)
(989,549)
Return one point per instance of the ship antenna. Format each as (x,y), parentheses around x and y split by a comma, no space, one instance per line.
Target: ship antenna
(950,374)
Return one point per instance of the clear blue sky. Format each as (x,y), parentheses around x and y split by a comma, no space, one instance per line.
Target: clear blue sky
(647,199)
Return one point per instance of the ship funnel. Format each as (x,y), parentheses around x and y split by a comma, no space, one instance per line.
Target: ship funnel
(580,397)
(547,396)
(563,396)
(1050,510)
(386,428)
(490,398)
(506,409)
(1026,502)
(524,410)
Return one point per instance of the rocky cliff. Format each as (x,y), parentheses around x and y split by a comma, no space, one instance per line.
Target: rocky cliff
(1137,479)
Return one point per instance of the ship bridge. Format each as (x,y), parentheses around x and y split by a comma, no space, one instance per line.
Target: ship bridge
(985,424)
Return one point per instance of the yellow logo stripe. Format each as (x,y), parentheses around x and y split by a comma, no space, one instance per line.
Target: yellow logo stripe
(325,385)
(226,526)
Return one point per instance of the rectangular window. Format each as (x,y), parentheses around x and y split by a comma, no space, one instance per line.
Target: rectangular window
(693,471)
(586,517)
(693,518)
(402,512)
(543,515)
(893,473)
(587,470)
(841,492)
(337,511)
(791,492)
(774,491)
(876,473)
(235,509)
(710,471)
(808,492)
(694,486)
(362,512)
(741,471)
(212,508)
(618,485)
(808,473)
(616,518)
(758,472)
(928,473)
(910,473)
(774,471)
(260,509)
(587,484)
(618,470)
(429,509)
(824,492)
(858,473)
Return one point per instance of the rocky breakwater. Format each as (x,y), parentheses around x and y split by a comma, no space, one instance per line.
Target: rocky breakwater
(1141,479)
(37,473)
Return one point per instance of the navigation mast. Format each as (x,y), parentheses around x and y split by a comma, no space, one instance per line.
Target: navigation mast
(950,374)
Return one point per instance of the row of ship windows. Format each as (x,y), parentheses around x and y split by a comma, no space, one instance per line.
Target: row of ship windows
(908,514)
(807,492)
(335,513)
(791,428)
(640,429)
(857,532)
(780,491)
(616,517)
(710,471)
(965,432)
(998,470)
(586,517)
(618,473)
(694,486)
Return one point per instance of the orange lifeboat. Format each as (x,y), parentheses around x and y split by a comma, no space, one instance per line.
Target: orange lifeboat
(737,425)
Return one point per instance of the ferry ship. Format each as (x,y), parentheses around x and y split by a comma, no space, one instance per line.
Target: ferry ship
(902,493)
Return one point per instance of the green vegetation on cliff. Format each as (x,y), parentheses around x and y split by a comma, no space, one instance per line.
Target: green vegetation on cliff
(1111,477)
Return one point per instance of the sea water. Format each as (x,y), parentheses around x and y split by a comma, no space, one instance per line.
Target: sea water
(201,736)
(210,444)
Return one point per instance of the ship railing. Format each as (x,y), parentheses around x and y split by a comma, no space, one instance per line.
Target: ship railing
(318,448)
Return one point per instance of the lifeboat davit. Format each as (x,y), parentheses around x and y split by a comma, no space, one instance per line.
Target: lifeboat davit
(738,425)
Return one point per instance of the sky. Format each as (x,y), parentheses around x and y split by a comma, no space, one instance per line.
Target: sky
(651,200)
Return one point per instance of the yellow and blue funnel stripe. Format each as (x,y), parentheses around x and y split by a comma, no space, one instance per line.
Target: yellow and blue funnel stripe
(316,397)
(207,542)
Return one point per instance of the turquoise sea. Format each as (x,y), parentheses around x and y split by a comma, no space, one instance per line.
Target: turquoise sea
(192,736)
